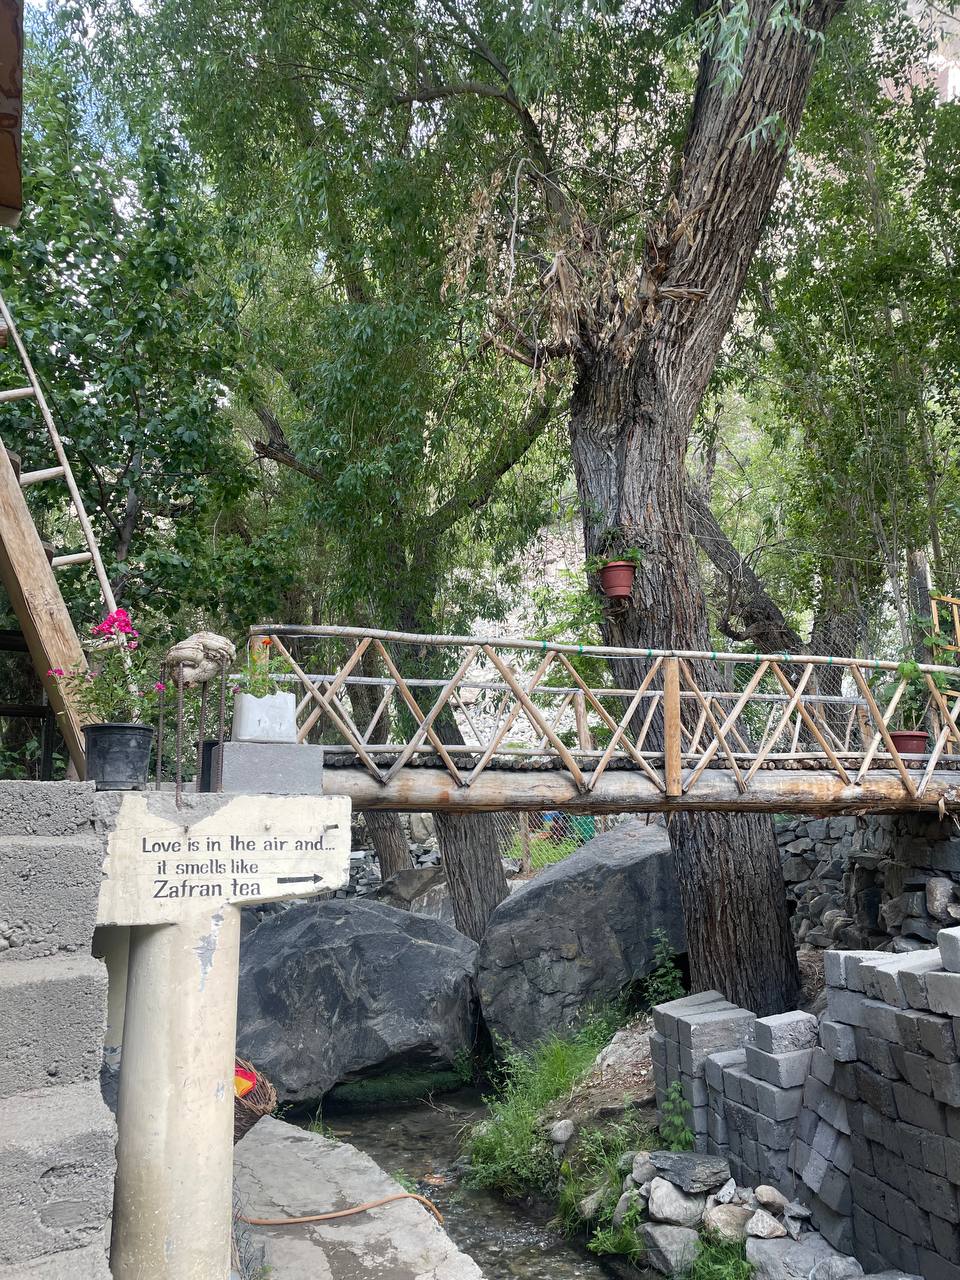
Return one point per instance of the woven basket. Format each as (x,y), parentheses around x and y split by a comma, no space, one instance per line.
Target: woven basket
(260,1101)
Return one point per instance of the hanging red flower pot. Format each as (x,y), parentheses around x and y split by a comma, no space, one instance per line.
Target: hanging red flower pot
(616,578)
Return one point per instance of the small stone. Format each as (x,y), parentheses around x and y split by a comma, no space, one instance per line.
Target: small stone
(589,1206)
(625,1163)
(644,1189)
(727,1193)
(788,1259)
(624,1205)
(797,1210)
(728,1221)
(668,1203)
(840,1268)
(644,1170)
(764,1226)
(561,1132)
(793,1225)
(671,1250)
(770,1198)
(691,1171)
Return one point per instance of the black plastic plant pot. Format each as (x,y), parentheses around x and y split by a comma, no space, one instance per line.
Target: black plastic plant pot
(118,756)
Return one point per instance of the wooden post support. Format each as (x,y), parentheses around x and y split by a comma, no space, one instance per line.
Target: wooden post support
(525,843)
(584,736)
(38,604)
(672,767)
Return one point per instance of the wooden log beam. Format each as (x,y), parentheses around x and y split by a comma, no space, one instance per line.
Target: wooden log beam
(39,606)
(622,791)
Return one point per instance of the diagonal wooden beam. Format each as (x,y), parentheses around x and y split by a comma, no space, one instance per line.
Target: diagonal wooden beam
(717,731)
(881,724)
(811,725)
(428,720)
(418,715)
(501,732)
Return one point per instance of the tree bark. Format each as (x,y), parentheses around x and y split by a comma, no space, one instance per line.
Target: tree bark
(474,870)
(389,841)
(628,449)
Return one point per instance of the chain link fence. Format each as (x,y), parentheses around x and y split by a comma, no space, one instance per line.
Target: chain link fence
(537,840)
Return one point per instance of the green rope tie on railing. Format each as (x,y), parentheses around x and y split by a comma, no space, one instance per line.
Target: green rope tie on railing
(784,657)
(649,653)
(756,657)
(580,650)
(543,645)
(713,656)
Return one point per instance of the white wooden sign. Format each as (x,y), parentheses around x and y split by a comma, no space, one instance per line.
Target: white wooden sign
(162,861)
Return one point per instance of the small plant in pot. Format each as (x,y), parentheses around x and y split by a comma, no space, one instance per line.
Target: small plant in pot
(262,711)
(910,734)
(616,572)
(114,696)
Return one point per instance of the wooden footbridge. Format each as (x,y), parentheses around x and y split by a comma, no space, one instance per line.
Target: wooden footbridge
(466,723)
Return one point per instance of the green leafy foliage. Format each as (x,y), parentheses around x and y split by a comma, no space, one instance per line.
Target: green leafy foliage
(674,1130)
(664,981)
(720,1260)
(594,1166)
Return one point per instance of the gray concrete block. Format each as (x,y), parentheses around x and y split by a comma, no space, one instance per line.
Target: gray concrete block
(48,894)
(658,1051)
(270,768)
(948,941)
(825,1140)
(843,1153)
(914,983)
(880,1019)
(946,1238)
(715,1064)
(932,1267)
(53,1018)
(934,1154)
(785,1032)
(774,1135)
(835,1192)
(943,992)
(836,1228)
(741,1120)
(717,1127)
(944,1081)
(814,1171)
(845,1080)
(787,1070)
(845,1006)
(806,1126)
(750,1155)
(694,1090)
(869,1194)
(838,1039)
(665,1015)
(828,1105)
(877,1092)
(822,1066)
(951,1152)
(672,1050)
(841,968)
(913,1068)
(876,1053)
(864,1230)
(714,1029)
(745,1086)
(776,1103)
(918,1108)
(56,1171)
(862,1155)
(87,1263)
(773,1169)
(46,808)
(935,1195)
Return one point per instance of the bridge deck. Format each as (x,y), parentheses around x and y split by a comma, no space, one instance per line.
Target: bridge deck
(470,724)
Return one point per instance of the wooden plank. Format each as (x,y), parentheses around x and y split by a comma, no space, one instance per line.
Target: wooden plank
(817,791)
(11,110)
(672,766)
(39,606)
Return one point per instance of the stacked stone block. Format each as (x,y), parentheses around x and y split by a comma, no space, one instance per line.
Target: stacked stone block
(891,1030)
(686,1033)
(871,882)
(56,1135)
(754,1097)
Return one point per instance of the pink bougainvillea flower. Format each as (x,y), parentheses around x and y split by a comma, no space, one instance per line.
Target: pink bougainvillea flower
(160,686)
(55,671)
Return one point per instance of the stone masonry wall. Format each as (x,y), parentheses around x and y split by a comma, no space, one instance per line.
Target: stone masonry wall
(857,1117)
(56,1135)
(871,882)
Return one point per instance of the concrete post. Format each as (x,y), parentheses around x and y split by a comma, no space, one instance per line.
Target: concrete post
(111,944)
(173,1201)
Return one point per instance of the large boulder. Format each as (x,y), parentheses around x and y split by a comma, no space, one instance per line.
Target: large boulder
(337,990)
(578,933)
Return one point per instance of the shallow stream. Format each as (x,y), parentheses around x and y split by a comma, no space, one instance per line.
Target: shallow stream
(422,1142)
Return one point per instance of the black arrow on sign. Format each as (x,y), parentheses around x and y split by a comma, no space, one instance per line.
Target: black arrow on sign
(298,879)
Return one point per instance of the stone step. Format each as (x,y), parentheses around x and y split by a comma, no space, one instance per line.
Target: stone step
(88,1263)
(51,1029)
(56,1172)
(48,893)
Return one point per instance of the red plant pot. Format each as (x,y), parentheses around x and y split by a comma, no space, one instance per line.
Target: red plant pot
(616,577)
(913,742)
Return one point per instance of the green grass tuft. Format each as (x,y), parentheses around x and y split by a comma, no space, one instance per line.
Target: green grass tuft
(508,1151)
(720,1260)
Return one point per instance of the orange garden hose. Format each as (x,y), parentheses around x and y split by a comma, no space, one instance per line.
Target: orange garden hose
(345,1213)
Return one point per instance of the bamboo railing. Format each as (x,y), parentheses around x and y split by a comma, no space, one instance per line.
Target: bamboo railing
(469,705)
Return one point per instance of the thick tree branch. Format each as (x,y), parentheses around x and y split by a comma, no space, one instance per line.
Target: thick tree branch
(748,599)
(474,491)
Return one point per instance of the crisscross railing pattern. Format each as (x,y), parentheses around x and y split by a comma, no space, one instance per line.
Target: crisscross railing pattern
(467,705)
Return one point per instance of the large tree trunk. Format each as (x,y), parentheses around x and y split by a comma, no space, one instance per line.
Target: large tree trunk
(389,841)
(471,859)
(628,456)
(634,401)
